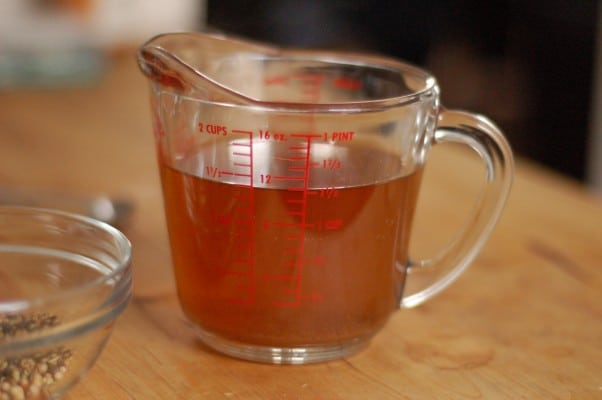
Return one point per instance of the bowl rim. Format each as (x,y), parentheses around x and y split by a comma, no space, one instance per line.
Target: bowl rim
(63,332)
(119,273)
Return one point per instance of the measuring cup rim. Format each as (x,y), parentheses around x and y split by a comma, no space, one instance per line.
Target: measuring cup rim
(427,87)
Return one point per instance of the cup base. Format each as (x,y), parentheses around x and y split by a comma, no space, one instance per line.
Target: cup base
(281,355)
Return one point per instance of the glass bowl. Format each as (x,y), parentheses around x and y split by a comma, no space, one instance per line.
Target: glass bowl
(64,279)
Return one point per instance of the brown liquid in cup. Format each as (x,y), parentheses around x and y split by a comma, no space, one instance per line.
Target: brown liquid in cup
(267,266)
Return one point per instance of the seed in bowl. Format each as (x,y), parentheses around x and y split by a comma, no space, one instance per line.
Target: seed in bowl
(25,377)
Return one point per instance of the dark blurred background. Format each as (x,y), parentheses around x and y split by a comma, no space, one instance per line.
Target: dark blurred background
(533,66)
(529,65)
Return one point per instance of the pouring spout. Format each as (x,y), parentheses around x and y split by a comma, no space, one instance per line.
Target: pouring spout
(203,65)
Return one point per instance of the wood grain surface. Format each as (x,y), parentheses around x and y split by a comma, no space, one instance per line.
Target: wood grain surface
(524,322)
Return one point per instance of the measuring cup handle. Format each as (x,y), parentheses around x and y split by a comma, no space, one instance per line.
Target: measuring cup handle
(428,277)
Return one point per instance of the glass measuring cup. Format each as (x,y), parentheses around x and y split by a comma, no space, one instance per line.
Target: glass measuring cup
(290,180)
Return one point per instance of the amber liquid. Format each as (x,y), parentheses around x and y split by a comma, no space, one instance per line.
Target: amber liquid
(278,265)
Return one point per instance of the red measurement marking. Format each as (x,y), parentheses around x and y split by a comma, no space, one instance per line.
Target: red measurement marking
(275,136)
(289,224)
(267,179)
(289,178)
(276,80)
(230,173)
(299,263)
(331,164)
(298,297)
(298,148)
(297,254)
(346,136)
(242,275)
(315,297)
(327,225)
(212,172)
(294,250)
(333,224)
(280,277)
(329,193)
(292,159)
(347,83)
(307,135)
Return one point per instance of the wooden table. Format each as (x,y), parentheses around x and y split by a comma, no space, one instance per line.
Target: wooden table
(525,321)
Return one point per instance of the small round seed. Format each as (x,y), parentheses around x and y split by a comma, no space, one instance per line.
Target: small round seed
(15,374)
(34,391)
(17,393)
(42,368)
(25,378)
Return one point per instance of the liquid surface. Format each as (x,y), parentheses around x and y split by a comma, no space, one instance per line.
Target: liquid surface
(306,259)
